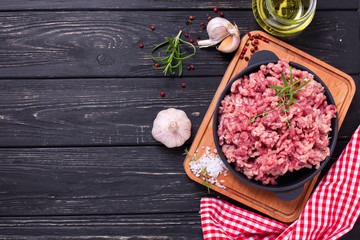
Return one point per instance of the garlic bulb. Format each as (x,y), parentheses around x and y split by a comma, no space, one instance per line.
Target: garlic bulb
(171,127)
(218,30)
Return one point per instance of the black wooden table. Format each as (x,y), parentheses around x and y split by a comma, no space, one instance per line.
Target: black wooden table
(78,97)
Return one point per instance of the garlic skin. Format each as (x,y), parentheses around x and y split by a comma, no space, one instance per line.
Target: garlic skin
(171,127)
(229,44)
(219,29)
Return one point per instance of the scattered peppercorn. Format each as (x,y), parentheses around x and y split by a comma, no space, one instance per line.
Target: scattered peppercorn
(156,65)
(186,35)
(252,50)
(249,34)
(183,85)
(246,58)
(188,68)
(266,40)
(209,18)
(222,14)
(192,66)
(162,93)
(251,38)
(203,25)
(215,9)
(191,40)
(197,42)
(141,45)
(256,41)
(152,28)
(241,56)
(191,17)
(188,22)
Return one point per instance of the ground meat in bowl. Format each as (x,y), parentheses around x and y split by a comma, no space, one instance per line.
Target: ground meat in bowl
(263,138)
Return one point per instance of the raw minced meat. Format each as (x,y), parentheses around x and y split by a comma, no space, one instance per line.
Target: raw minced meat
(272,144)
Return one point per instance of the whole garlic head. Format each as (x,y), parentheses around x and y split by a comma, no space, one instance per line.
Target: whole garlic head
(171,127)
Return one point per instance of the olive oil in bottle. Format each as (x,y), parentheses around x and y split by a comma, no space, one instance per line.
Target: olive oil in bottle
(283,17)
(291,10)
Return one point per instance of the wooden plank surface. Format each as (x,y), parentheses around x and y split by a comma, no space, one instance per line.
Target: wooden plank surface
(148,4)
(142,226)
(98,180)
(64,112)
(85,112)
(95,43)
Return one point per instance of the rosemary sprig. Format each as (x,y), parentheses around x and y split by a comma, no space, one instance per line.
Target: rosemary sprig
(285,95)
(172,56)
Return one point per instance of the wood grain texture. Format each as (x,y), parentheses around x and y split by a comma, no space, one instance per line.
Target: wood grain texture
(98,180)
(106,43)
(76,181)
(141,226)
(95,112)
(159,4)
(74,112)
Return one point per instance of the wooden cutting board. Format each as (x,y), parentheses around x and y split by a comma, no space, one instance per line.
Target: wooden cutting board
(341,86)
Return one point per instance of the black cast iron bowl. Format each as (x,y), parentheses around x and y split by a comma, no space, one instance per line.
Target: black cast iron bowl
(291,185)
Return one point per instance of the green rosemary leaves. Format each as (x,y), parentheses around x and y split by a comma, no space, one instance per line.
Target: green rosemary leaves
(172,57)
(285,95)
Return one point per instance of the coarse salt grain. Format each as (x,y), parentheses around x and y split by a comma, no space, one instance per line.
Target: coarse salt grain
(214,167)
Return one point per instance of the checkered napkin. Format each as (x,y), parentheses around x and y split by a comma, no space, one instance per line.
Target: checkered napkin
(331,211)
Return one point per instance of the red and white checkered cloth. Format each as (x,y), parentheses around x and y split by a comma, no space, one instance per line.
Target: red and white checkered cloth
(331,211)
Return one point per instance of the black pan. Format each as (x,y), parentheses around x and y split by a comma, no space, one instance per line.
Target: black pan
(291,185)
